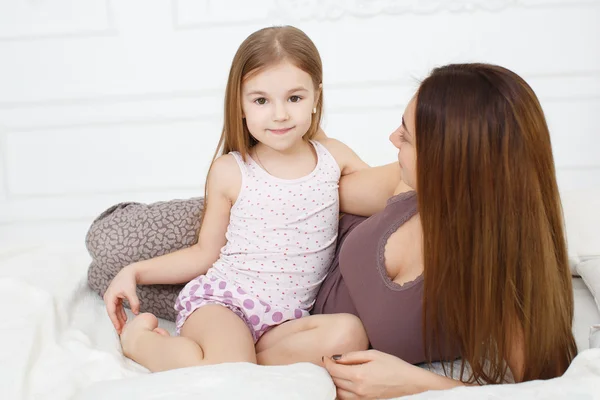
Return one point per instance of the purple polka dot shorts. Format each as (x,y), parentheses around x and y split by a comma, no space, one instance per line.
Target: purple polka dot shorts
(259,315)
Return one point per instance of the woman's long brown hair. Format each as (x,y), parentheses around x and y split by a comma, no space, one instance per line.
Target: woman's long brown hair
(496,274)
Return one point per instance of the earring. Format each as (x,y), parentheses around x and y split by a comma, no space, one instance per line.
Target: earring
(315,110)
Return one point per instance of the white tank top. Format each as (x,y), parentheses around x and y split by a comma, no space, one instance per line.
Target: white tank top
(282,233)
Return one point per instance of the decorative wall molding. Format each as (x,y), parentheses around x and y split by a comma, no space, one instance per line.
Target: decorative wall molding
(116,123)
(335,9)
(206,13)
(40,20)
(81,34)
(75,207)
(202,14)
(99,100)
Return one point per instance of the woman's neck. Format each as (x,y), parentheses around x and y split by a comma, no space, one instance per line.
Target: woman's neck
(402,187)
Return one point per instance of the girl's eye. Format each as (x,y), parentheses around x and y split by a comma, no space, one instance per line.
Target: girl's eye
(260,101)
(295,99)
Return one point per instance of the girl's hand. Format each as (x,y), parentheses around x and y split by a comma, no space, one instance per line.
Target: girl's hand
(372,374)
(122,287)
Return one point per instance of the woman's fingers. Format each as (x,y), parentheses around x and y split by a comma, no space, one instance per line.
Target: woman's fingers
(355,357)
(343,384)
(345,395)
(339,371)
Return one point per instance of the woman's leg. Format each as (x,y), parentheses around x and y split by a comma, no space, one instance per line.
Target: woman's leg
(212,334)
(310,338)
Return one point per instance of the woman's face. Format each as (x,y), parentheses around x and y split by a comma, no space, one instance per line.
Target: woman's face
(403,139)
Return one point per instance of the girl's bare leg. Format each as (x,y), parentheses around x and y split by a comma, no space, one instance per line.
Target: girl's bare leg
(213,334)
(310,338)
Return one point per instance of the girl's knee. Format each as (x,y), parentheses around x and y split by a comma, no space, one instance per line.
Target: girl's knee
(348,333)
(356,332)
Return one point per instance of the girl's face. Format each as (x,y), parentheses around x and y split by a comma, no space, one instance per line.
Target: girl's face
(277,103)
(403,139)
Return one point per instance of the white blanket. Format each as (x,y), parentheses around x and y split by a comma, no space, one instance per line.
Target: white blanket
(56,342)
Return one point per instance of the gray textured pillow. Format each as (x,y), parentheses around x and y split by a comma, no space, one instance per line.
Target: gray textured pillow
(130,232)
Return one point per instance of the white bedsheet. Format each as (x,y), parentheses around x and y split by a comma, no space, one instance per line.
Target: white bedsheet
(56,342)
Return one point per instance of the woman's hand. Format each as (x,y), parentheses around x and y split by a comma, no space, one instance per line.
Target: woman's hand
(122,287)
(372,374)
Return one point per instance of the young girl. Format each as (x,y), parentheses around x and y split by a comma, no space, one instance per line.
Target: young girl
(269,230)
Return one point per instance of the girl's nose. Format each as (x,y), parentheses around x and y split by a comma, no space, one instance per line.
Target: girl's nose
(280,113)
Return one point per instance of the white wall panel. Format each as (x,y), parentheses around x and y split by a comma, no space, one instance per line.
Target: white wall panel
(26,20)
(107,101)
(111,158)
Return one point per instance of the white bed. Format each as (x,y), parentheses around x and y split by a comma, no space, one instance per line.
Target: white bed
(56,342)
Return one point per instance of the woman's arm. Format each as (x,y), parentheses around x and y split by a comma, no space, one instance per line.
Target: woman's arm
(224,181)
(366,192)
(363,190)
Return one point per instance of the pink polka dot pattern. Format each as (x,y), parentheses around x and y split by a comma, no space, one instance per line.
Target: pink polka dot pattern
(248,304)
(258,315)
(277,317)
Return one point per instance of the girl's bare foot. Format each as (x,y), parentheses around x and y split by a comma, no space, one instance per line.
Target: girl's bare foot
(161,331)
(142,324)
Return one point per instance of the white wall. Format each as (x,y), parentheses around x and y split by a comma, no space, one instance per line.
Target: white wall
(107,101)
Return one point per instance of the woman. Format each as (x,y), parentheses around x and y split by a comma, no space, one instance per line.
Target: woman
(481,271)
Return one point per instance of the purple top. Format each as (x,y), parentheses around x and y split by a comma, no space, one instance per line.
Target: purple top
(358,283)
